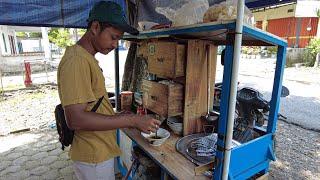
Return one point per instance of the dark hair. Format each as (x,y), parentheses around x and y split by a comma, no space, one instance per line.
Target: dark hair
(103,25)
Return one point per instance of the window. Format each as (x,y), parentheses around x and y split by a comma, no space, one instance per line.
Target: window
(290,10)
(4,42)
(12,45)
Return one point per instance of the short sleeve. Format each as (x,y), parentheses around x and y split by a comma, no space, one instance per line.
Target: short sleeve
(75,82)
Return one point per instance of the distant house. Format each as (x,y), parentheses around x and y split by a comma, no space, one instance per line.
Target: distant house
(296,22)
(14,51)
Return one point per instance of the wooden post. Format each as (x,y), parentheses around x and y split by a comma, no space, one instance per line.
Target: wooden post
(196,87)
(212,63)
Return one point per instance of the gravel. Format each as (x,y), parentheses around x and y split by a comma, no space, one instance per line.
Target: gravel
(28,109)
(297,149)
(297,152)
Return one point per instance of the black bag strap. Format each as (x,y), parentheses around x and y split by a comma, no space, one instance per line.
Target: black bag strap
(95,107)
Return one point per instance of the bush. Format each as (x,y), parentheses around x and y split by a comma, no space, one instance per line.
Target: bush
(251,50)
(244,49)
(310,53)
(272,50)
(60,37)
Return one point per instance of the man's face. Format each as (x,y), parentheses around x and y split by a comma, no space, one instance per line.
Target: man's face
(106,40)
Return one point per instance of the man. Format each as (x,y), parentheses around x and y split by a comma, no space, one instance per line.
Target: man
(81,84)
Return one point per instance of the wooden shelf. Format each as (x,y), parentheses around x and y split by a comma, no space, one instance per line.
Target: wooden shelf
(215,32)
(166,156)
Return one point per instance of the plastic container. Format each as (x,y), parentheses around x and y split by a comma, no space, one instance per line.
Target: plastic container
(126,100)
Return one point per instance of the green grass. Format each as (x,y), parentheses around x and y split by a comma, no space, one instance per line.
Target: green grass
(13,87)
(36,95)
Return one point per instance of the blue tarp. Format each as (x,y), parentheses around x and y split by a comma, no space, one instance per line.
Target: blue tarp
(48,13)
(70,13)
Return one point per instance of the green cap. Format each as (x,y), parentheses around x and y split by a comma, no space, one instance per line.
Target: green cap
(111,12)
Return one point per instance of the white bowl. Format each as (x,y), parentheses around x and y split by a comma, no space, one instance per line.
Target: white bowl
(174,120)
(175,125)
(162,134)
(177,131)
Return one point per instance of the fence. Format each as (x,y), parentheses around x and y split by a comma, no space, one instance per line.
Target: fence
(30,72)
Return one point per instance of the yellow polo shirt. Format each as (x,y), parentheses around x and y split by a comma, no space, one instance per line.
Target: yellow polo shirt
(80,80)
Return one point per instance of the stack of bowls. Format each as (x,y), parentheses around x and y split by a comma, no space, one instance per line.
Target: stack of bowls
(175,124)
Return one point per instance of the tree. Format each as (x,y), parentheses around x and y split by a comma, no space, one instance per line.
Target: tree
(21,34)
(316,63)
(81,32)
(60,37)
(311,52)
(29,34)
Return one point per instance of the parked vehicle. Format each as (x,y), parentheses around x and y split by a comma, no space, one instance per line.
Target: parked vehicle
(252,112)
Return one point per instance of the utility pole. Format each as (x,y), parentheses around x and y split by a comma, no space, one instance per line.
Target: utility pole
(2,90)
(75,31)
(46,44)
(47,50)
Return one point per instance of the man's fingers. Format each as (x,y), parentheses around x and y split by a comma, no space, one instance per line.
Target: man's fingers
(149,130)
(158,122)
(146,131)
(153,129)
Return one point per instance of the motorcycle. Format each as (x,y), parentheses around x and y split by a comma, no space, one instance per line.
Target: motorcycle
(251,113)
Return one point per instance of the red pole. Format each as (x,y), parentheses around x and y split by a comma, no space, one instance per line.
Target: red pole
(27,81)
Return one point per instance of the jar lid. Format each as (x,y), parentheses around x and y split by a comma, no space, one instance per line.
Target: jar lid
(126,92)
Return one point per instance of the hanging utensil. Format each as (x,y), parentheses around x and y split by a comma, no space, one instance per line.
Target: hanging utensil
(208,117)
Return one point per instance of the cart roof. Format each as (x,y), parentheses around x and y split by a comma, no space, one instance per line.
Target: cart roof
(70,13)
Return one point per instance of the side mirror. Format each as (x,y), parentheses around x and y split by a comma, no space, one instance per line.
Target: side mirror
(223,52)
(285,91)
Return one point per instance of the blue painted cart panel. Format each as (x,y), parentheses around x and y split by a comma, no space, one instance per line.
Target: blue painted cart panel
(263,36)
(277,87)
(246,160)
(222,125)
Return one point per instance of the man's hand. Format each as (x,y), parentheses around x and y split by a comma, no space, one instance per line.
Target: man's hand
(79,119)
(125,112)
(147,124)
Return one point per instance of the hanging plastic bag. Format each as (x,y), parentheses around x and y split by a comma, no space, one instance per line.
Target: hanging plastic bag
(184,12)
(226,11)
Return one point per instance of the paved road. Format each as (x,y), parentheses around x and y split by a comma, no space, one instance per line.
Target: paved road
(302,106)
(33,156)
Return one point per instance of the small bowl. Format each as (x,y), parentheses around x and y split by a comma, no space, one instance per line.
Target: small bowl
(163,135)
(175,120)
(175,125)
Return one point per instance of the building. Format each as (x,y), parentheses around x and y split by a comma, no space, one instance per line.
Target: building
(296,22)
(14,51)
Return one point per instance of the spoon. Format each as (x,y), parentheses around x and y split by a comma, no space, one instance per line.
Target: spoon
(158,118)
(156,134)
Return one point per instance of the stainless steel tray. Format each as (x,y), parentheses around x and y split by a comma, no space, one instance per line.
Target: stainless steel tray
(183,147)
